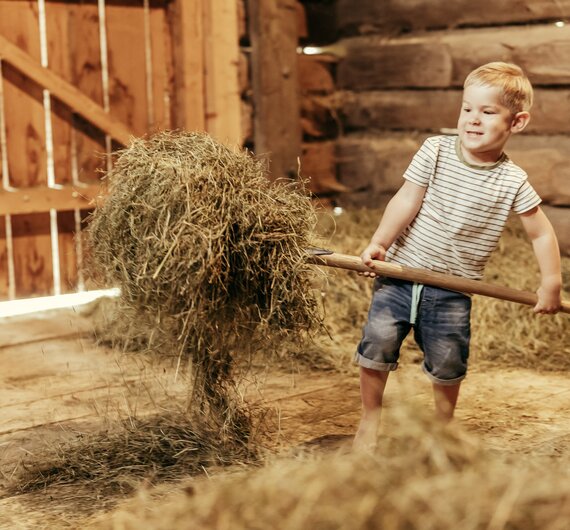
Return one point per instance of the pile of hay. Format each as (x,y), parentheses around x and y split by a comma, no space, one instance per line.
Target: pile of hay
(205,249)
(422,475)
(502,332)
(157,448)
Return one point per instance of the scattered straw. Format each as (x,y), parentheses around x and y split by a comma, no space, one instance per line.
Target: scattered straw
(423,475)
(152,449)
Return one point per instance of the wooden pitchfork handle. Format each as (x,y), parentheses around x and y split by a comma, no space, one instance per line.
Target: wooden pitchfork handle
(437,279)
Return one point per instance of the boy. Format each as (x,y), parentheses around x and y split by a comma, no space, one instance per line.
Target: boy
(447,217)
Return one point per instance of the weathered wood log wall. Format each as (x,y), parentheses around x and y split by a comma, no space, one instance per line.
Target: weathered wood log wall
(77,79)
(288,97)
(401,78)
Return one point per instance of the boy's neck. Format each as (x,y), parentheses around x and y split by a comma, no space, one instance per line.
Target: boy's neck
(484,159)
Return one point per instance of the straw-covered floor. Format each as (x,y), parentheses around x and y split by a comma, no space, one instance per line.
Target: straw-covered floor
(422,476)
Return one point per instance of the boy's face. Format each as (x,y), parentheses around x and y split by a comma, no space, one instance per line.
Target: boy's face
(484,124)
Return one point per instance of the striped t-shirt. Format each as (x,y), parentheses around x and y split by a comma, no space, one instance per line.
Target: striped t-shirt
(464,209)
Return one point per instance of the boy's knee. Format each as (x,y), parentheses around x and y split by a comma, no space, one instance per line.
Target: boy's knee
(447,374)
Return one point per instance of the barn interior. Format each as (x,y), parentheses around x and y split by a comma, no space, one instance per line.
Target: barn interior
(98,425)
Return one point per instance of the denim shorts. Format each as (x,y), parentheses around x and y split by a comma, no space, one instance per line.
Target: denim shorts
(441,323)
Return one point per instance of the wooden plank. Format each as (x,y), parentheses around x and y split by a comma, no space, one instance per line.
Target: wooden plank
(85,59)
(64,91)
(425,110)
(127,67)
(242,21)
(25,130)
(58,27)
(399,15)
(186,25)
(273,34)
(319,116)
(315,74)
(318,165)
(545,159)
(39,199)
(443,59)
(376,162)
(4,277)
(432,110)
(246,122)
(162,68)
(4,242)
(32,255)
(223,108)
(42,326)
(58,44)
(68,260)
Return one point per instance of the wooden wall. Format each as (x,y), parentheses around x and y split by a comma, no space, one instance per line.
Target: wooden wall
(79,78)
(400,81)
(288,98)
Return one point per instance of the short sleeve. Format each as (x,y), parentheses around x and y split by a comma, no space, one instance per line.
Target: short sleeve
(526,198)
(423,164)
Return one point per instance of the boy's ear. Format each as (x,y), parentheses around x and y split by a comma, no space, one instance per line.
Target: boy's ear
(520,121)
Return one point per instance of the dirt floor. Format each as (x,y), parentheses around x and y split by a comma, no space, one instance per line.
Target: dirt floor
(55,381)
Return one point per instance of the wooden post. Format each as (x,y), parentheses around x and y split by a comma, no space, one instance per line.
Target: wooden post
(223,102)
(277,125)
(186,23)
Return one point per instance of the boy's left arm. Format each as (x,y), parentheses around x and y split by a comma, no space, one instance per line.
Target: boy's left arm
(545,246)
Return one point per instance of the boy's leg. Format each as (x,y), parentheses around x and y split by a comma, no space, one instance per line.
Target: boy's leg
(445,397)
(379,350)
(372,385)
(443,333)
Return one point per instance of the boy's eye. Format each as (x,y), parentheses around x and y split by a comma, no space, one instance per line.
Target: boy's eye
(489,112)
(466,109)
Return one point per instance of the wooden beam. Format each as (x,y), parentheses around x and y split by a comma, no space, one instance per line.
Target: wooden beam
(432,110)
(40,200)
(276,100)
(375,162)
(64,91)
(442,59)
(186,24)
(223,107)
(398,15)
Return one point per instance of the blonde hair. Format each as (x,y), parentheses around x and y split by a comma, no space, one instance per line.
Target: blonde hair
(516,88)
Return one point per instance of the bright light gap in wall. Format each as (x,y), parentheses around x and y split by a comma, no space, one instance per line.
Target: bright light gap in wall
(310,50)
(29,306)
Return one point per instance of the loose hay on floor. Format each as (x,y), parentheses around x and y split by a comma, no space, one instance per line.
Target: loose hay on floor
(422,475)
(157,448)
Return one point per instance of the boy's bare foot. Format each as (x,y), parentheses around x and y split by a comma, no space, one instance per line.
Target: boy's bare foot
(365,438)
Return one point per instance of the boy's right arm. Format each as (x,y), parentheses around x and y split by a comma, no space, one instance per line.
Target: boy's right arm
(399,213)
